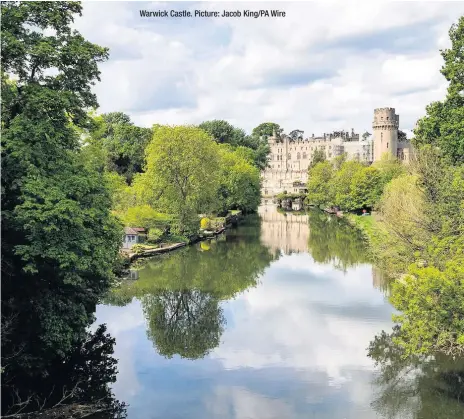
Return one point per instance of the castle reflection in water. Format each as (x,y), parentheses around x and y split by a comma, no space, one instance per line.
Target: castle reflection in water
(286,232)
(289,232)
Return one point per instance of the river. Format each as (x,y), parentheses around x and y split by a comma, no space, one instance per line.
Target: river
(271,320)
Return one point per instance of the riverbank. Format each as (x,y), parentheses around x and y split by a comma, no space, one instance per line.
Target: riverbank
(231,220)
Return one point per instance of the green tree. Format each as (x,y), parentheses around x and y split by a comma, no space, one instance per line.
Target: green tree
(221,131)
(59,240)
(340,184)
(266,129)
(366,188)
(122,141)
(319,178)
(443,126)
(240,182)
(182,174)
(432,318)
(146,217)
(318,157)
(389,168)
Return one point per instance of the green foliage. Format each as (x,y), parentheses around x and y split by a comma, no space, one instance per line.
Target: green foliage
(266,129)
(389,168)
(432,318)
(318,157)
(284,195)
(443,126)
(221,131)
(319,179)
(146,217)
(421,233)
(59,240)
(366,188)
(239,182)
(182,174)
(250,147)
(138,248)
(341,184)
(155,235)
(122,142)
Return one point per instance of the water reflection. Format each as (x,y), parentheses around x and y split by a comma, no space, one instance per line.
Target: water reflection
(430,386)
(188,322)
(282,231)
(255,326)
(180,293)
(76,384)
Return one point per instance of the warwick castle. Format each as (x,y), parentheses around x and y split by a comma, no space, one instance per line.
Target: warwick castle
(291,156)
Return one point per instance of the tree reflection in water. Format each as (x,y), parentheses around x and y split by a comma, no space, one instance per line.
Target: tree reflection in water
(332,240)
(188,323)
(76,384)
(432,386)
(181,292)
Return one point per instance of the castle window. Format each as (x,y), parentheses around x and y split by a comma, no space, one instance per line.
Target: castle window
(298,156)
(304,155)
(387,145)
(289,156)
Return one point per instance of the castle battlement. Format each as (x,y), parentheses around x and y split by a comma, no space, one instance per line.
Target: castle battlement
(290,158)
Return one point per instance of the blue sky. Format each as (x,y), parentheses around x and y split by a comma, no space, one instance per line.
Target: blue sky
(323,67)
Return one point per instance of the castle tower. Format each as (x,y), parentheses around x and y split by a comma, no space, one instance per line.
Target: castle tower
(385,126)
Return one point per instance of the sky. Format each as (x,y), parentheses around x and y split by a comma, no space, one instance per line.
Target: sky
(322,67)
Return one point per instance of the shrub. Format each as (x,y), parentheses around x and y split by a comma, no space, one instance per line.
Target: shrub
(138,249)
(154,235)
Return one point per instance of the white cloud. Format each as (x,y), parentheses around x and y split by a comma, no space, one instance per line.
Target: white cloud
(316,324)
(322,67)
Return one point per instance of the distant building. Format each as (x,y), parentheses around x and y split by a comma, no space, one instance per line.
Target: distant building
(133,235)
(290,158)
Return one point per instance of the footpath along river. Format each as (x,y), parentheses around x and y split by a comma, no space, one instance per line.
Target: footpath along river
(272,320)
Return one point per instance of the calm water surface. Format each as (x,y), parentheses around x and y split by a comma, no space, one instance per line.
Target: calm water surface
(272,320)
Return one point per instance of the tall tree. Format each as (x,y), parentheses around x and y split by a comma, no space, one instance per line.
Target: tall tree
(181,177)
(122,141)
(59,240)
(318,157)
(443,126)
(240,183)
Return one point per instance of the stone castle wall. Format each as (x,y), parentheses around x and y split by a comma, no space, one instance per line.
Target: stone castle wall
(289,159)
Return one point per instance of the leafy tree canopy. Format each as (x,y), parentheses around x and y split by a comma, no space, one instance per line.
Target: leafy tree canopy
(266,129)
(443,126)
(182,174)
(59,240)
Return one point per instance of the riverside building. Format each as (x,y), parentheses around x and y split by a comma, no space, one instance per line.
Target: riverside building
(290,158)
